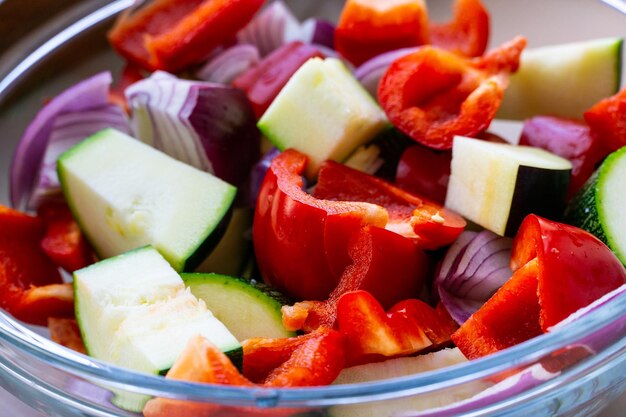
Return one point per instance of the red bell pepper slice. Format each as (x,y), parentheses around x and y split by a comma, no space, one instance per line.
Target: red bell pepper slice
(468,31)
(65,332)
(558,270)
(424,171)
(373,335)
(575,268)
(171,35)
(607,120)
(430,224)
(285,213)
(23,265)
(432,95)
(37,304)
(368,28)
(570,139)
(311,268)
(203,362)
(436,323)
(263,82)
(63,242)
(509,317)
(374,253)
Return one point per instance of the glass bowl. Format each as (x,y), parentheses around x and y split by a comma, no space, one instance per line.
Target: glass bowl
(587,359)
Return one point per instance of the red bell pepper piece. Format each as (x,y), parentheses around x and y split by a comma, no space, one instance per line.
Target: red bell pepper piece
(203,362)
(558,270)
(607,120)
(374,253)
(575,268)
(317,360)
(63,242)
(570,139)
(369,28)
(371,334)
(430,224)
(468,31)
(509,317)
(65,332)
(37,304)
(436,323)
(310,268)
(433,95)
(424,171)
(263,82)
(23,265)
(171,34)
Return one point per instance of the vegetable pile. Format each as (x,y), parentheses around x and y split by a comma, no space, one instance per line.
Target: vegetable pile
(335,188)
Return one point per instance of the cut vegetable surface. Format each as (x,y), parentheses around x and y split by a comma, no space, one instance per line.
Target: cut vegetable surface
(247,310)
(126,194)
(563,80)
(338,113)
(599,205)
(133,310)
(497,185)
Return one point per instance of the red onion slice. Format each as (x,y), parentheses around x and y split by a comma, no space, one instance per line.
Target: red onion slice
(267,29)
(209,126)
(370,72)
(67,130)
(313,31)
(474,268)
(229,64)
(86,95)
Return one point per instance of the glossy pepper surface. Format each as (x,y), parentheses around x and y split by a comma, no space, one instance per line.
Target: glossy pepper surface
(432,94)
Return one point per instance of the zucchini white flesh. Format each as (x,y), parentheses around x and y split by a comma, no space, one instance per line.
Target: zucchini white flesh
(134,311)
(323,112)
(245,309)
(496,185)
(563,80)
(599,207)
(125,194)
(393,368)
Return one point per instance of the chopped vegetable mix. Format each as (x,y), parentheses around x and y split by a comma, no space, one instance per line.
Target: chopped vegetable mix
(362,182)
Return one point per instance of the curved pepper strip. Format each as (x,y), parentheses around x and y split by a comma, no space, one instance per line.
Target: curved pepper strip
(314,359)
(372,334)
(170,35)
(607,120)
(369,28)
(433,95)
(559,269)
(467,33)
(374,253)
(303,244)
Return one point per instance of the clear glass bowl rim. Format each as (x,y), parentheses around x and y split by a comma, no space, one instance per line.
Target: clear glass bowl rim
(42,349)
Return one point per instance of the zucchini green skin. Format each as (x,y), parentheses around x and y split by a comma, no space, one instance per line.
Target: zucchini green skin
(587,211)
(267,300)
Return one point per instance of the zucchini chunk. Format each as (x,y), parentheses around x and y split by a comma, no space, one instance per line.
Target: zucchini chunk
(563,80)
(496,185)
(126,194)
(599,206)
